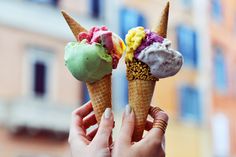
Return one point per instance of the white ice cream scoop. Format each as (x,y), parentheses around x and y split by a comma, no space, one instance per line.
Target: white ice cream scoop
(162,60)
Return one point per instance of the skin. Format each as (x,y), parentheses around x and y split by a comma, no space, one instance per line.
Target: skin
(89,144)
(98,141)
(152,145)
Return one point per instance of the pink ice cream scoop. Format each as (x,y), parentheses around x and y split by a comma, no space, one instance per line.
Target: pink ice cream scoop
(110,41)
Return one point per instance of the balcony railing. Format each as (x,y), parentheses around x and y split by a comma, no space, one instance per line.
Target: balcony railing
(36,115)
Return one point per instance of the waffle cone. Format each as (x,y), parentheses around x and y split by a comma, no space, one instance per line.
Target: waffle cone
(141,91)
(140,96)
(161,28)
(100,91)
(100,94)
(75,27)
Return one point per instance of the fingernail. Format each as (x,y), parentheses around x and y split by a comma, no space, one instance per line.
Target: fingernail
(127,110)
(107,113)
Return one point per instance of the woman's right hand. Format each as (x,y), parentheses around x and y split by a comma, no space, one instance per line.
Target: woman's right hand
(152,145)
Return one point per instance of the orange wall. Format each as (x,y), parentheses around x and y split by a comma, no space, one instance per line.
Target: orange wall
(14,80)
(224,34)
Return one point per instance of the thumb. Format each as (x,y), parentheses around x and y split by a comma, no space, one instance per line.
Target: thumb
(127,128)
(104,130)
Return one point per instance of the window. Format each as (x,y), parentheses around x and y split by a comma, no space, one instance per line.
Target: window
(39,65)
(50,2)
(187,45)
(95,7)
(40,78)
(220,135)
(130,18)
(216,10)
(190,108)
(220,73)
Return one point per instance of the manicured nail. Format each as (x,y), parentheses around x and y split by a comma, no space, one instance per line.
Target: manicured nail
(107,113)
(127,110)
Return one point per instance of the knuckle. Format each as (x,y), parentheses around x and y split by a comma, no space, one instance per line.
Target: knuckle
(157,143)
(164,116)
(154,143)
(104,131)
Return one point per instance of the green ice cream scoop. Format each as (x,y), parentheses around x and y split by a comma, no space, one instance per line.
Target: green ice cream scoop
(87,62)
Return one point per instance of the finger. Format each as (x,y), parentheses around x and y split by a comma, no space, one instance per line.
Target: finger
(77,133)
(153,111)
(104,130)
(89,121)
(127,128)
(84,110)
(92,133)
(159,126)
(161,121)
(148,125)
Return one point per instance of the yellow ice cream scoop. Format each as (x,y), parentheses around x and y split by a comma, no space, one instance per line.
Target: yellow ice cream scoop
(133,39)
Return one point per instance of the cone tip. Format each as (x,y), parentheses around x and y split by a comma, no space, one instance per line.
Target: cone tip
(63,12)
(161,28)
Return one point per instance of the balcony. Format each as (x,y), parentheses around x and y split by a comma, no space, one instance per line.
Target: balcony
(36,116)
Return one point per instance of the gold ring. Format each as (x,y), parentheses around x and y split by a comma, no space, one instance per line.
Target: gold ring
(154,110)
(161,124)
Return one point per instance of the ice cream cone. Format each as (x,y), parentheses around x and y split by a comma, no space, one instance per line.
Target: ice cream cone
(75,27)
(99,91)
(140,96)
(141,90)
(161,28)
(100,94)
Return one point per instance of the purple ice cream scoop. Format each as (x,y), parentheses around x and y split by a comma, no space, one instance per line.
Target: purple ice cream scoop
(151,37)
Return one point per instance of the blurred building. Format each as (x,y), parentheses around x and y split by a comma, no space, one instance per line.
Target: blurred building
(222,35)
(186,96)
(200,99)
(37,93)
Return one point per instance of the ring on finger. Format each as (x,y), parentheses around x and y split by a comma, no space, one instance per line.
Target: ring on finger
(161,124)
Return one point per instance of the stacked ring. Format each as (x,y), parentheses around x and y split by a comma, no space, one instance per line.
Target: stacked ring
(161,124)
(154,110)
(157,123)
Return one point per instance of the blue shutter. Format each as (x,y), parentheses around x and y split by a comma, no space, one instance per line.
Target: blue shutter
(130,18)
(190,106)
(220,70)
(187,45)
(95,8)
(216,10)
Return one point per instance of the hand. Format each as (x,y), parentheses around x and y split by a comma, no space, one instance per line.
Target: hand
(94,143)
(152,145)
